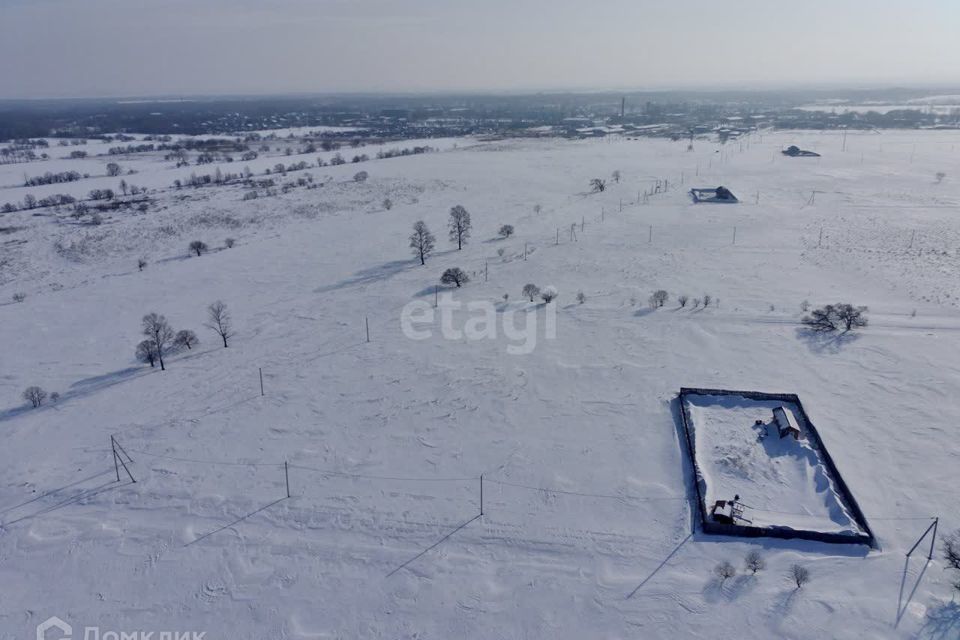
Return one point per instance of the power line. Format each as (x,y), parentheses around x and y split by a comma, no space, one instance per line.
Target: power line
(582,494)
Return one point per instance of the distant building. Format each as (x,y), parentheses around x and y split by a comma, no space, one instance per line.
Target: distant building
(796,152)
(786,422)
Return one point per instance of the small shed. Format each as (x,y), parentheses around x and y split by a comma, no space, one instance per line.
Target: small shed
(786,422)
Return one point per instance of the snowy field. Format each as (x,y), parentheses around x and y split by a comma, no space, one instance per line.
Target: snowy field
(586,525)
(782,481)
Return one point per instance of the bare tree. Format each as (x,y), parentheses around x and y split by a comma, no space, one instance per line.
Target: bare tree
(35,396)
(799,575)
(506,231)
(549,294)
(198,247)
(724,571)
(531,291)
(156,327)
(616,176)
(387,204)
(147,352)
(706,300)
(755,562)
(220,321)
(822,319)
(851,317)
(459,226)
(683,299)
(597,185)
(185,338)
(951,553)
(940,176)
(19,296)
(658,298)
(581,297)
(537,208)
(454,275)
(229,242)
(141,263)
(422,241)
(833,317)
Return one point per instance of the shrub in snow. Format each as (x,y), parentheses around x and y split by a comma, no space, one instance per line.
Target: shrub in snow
(799,575)
(537,208)
(581,298)
(141,263)
(387,204)
(185,338)
(597,185)
(549,293)
(454,275)
(147,352)
(229,242)
(19,296)
(54,397)
(616,176)
(506,231)
(531,291)
(360,176)
(724,571)
(940,176)
(658,298)
(706,300)
(198,247)
(35,396)
(755,562)
(696,302)
(250,195)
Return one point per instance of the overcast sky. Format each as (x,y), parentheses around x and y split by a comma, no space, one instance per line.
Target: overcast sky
(58,48)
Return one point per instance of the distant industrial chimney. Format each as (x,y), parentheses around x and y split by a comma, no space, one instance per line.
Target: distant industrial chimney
(623,105)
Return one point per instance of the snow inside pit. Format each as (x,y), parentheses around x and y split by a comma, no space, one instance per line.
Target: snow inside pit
(782,482)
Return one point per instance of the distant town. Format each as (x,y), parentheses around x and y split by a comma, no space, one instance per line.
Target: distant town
(674,115)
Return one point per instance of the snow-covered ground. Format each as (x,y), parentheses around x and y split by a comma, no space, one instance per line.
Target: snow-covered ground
(586,529)
(783,482)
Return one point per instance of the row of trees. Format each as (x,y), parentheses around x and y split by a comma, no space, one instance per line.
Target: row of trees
(660,297)
(423,242)
(755,563)
(162,339)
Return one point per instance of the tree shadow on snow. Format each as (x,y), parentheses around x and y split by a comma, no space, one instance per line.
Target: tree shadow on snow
(943,622)
(376,273)
(821,342)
